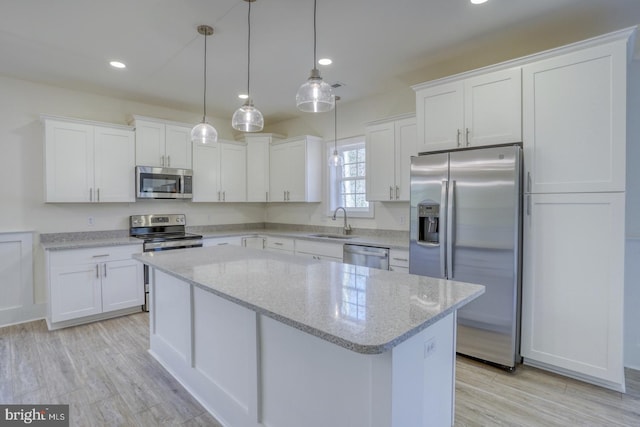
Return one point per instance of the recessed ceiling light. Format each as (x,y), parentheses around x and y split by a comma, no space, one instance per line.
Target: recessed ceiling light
(117,64)
(478,1)
(325,61)
(243,96)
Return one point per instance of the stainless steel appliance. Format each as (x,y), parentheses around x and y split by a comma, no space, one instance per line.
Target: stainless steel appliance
(163,183)
(161,233)
(466,225)
(369,256)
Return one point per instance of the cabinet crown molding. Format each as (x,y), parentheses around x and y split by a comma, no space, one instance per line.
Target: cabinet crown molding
(133,118)
(45,117)
(626,34)
(391,119)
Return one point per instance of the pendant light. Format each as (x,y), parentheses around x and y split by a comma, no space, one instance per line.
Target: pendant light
(248,118)
(315,95)
(335,160)
(204,133)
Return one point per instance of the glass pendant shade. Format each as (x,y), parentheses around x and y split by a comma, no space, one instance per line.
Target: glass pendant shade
(315,95)
(335,160)
(247,118)
(204,133)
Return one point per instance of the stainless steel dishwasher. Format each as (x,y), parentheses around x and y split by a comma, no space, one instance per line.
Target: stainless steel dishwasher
(368,256)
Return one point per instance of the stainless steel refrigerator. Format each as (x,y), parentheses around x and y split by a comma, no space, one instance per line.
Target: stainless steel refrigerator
(466,225)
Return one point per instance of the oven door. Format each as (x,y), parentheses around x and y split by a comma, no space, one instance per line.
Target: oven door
(163,183)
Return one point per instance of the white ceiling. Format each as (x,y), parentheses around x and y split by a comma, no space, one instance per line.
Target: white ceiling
(376,45)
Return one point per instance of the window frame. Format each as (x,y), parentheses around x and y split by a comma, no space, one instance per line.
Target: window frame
(345,144)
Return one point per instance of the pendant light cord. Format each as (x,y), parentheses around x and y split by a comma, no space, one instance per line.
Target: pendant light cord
(314,32)
(335,126)
(204,96)
(249,52)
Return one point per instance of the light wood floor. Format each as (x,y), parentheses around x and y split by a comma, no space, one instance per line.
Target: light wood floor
(106,375)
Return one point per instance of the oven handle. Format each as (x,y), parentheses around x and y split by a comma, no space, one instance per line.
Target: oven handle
(177,244)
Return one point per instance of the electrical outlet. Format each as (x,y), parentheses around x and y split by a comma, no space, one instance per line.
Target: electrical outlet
(429,347)
(91,221)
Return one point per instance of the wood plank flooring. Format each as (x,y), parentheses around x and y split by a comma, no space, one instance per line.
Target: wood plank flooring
(103,371)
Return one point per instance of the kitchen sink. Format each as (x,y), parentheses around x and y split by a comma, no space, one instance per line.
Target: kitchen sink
(332,236)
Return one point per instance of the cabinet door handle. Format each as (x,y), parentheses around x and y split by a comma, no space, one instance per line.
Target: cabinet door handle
(458,139)
(528,205)
(264,243)
(284,196)
(98,193)
(97,271)
(91,194)
(104,266)
(390,192)
(266,196)
(400,259)
(224,196)
(397,191)
(528,182)
(467,137)
(168,161)
(100,256)
(218,196)
(277,243)
(162,160)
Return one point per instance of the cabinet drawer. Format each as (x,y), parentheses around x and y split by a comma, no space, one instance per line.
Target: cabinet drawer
(279,243)
(92,255)
(399,258)
(332,250)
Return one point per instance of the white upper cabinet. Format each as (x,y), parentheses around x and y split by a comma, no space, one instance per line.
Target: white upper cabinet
(258,165)
(206,172)
(476,111)
(220,172)
(390,145)
(163,144)
(574,108)
(88,162)
(233,172)
(294,171)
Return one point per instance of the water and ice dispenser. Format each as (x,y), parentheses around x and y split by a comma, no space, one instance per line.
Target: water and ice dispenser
(429,223)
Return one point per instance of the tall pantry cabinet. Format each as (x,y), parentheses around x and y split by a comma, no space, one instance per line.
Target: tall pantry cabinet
(574,138)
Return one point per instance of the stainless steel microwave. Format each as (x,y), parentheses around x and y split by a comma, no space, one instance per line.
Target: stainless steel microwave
(163,183)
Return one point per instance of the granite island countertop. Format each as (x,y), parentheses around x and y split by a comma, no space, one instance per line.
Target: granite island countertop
(365,310)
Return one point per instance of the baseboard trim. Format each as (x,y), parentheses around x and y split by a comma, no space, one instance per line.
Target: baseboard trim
(22,314)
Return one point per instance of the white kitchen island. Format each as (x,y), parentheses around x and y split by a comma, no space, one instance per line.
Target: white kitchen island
(264,339)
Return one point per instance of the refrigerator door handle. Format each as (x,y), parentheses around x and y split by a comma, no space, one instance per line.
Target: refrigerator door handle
(443,227)
(450,228)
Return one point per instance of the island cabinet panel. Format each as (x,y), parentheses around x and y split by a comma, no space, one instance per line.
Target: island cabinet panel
(173,328)
(248,369)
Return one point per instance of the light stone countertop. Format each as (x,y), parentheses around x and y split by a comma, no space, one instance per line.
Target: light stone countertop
(64,241)
(364,310)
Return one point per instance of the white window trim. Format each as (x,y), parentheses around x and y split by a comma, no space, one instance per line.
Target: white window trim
(343,144)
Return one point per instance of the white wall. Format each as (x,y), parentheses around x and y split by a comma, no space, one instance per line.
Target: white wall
(632,261)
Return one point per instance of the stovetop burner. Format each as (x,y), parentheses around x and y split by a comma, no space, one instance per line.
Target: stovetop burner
(162,228)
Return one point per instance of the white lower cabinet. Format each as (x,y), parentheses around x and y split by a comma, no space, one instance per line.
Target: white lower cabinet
(319,250)
(222,241)
(280,244)
(573,285)
(399,260)
(87,282)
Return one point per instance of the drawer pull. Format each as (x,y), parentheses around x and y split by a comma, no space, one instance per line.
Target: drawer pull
(400,259)
(278,243)
(100,256)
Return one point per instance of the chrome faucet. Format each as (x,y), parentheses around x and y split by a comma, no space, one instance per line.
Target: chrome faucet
(347,228)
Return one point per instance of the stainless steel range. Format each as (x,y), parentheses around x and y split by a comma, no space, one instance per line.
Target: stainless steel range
(161,233)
